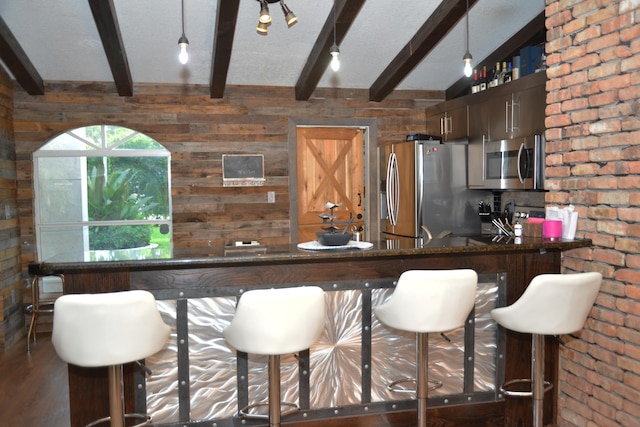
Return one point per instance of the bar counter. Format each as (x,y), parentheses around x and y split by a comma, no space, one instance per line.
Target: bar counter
(198,381)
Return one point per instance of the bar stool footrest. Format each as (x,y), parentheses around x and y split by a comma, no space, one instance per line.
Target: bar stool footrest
(516,393)
(395,385)
(146,418)
(246,411)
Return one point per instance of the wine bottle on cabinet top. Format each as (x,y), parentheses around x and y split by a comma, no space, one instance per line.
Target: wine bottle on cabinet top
(495,76)
(474,83)
(508,74)
(503,73)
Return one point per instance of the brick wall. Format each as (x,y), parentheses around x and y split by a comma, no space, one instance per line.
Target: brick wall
(11,316)
(593,162)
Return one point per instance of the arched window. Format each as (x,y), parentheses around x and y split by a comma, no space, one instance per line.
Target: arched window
(102,192)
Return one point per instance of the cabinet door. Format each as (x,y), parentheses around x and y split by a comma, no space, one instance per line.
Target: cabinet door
(532,104)
(501,115)
(435,125)
(450,125)
(478,121)
(517,114)
(457,123)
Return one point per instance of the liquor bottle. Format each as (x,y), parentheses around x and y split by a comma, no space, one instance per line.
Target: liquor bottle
(508,74)
(483,79)
(503,73)
(515,72)
(474,84)
(495,77)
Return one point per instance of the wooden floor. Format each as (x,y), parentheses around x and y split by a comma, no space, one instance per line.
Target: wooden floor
(33,387)
(34,391)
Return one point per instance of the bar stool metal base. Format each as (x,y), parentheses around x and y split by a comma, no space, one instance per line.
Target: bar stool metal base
(504,389)
(36,307)
(246,412)
(394,386)
(538,385)
(146,418)
(117,416)
(274,403)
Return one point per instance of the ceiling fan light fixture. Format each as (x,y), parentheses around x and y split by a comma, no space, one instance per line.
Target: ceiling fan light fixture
(183,42)
(265,17)
(262,28)
(289,16)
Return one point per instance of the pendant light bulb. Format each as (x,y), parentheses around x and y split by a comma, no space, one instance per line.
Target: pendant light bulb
(183,56)
(335,62)
(183,42)
(334,51)
(289,16)
(468,70)
(265,17)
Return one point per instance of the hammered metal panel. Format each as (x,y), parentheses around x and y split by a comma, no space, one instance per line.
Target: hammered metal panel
(393,351)
(336,359)
(162,384)
(486,331)
(212,364)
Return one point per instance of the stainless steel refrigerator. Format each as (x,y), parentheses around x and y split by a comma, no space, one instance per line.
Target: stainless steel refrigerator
(426,189)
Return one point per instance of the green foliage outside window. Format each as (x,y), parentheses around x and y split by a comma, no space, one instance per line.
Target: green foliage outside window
(111,198)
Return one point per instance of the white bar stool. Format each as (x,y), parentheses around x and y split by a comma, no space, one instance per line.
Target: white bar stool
(552,304)
(109,329)
(273,322)
(427,301)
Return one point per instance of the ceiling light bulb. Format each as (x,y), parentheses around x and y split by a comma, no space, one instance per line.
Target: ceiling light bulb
(289,16)
(265,17)
(335,62)
(468,70)
(262,28)
(183,56)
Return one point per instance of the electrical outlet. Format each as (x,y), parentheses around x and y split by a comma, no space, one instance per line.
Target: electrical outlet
(271,197)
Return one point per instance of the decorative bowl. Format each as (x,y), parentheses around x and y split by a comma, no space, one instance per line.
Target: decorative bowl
(326,238)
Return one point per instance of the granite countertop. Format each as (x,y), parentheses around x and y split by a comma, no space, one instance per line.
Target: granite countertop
(215,257)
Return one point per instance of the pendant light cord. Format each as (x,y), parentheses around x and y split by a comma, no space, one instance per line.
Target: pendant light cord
(467,25)
(334,21)
(183,18)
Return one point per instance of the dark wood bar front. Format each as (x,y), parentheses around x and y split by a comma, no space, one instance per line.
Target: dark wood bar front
(193,273)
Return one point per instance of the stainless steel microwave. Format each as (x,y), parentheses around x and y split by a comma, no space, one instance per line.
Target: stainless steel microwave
(508,164)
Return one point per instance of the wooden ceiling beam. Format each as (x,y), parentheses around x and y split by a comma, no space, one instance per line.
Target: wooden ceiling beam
(227,16)
(319,57)
(435,28)
(533,33)
(104,15)
(15,58)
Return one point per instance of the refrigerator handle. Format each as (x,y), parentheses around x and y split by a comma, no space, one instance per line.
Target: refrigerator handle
(393,189)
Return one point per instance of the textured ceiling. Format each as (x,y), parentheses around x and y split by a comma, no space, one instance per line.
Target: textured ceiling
(62,42)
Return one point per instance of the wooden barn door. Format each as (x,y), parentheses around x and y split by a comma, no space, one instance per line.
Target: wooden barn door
(330,164)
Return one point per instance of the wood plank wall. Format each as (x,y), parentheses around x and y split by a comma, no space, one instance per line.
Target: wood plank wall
(11,314)
(198,130)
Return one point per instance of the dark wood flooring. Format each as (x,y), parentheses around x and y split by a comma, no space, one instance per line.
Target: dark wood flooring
(34,390)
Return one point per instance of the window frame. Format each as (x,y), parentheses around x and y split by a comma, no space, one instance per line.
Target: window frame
(95,151)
